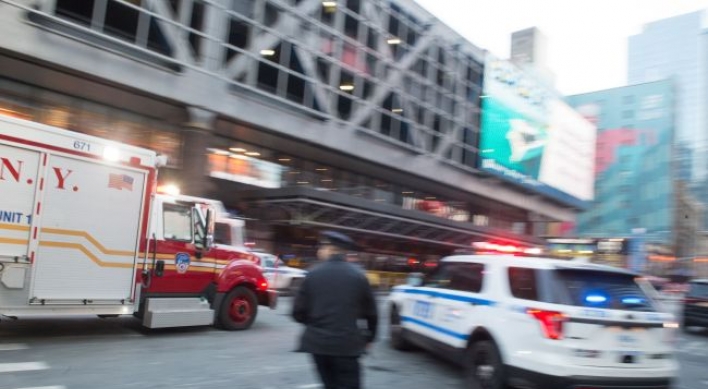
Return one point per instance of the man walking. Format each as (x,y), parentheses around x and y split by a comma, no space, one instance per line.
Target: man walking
(334,296)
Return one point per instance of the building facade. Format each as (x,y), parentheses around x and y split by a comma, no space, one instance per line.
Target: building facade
(675,48)
(357,115)
(635,186)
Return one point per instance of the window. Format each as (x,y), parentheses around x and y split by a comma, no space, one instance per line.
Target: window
(628,99)
(267,260)
(465,277)
(222,233)
(177,222)
(627,114)
(603,290)
(698,290)
(522,282)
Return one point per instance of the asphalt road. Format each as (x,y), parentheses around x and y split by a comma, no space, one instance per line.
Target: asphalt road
(88,352)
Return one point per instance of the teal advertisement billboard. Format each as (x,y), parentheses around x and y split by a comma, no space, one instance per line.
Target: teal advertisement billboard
(531,137)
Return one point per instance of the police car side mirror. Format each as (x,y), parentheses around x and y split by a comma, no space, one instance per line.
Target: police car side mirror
(415,279)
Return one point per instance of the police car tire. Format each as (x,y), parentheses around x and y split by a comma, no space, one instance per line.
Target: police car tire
(493,358)
(397,337)
(226,321)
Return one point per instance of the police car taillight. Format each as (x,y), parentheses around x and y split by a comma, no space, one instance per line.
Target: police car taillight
(551,322)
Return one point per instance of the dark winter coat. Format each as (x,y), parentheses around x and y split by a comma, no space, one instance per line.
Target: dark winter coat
(332,299)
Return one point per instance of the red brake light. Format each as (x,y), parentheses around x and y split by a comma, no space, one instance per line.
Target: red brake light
(551,322)
(263,285)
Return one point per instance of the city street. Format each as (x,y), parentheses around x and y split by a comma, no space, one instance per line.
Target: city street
(116,353)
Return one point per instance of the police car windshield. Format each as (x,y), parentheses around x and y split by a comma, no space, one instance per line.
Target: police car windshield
(599,289)
(698,289)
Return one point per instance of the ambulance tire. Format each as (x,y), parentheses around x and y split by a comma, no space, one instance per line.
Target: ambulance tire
(238,310)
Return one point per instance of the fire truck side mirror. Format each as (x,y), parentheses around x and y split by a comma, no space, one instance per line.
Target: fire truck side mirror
(210,229)
(204,237)
(159,268)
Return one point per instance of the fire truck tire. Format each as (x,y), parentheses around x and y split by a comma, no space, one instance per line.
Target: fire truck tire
(238,310)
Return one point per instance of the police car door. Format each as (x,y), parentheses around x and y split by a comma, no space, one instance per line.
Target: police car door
(446,303)
(462,301)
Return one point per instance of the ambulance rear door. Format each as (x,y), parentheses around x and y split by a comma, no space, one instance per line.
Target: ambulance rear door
(91,214)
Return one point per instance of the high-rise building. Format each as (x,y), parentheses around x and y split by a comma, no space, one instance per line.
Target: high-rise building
(529,51)
(634,173)
(677,48)
(528,46)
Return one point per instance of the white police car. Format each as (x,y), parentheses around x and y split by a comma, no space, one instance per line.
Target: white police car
(278,275)
(537,323)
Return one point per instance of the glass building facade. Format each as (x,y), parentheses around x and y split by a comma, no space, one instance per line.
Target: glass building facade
(634,168)
(675,48)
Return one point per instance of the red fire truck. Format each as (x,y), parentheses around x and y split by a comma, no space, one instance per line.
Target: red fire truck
(84,231)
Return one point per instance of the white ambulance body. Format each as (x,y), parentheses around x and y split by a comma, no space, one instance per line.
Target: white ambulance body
(71,214)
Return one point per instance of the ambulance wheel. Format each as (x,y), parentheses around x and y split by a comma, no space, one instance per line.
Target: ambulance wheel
(238,310)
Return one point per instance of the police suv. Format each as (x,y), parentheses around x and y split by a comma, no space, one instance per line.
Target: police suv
(537,323)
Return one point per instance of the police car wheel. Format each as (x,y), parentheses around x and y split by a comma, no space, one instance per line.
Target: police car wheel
(484,369)
(238,310)
(397,338)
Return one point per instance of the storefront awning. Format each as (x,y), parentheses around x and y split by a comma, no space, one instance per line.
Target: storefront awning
(330,210)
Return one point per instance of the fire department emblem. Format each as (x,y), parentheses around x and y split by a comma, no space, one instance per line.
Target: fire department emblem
(182,262)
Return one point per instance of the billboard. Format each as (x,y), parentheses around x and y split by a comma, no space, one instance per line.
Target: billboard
(531,137)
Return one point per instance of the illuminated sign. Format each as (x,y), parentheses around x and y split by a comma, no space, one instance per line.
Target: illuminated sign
(532,138)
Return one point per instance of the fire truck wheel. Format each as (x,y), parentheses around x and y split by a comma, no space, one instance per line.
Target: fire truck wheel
(238,310)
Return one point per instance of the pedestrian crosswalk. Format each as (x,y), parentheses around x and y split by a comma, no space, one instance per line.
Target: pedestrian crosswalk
(45,387)
(14,367)
(12,346)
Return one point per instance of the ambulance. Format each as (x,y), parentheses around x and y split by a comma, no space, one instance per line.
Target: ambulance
(83,230)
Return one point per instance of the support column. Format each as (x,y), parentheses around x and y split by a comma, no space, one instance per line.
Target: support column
(198,134)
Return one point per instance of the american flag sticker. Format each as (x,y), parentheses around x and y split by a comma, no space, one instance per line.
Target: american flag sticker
(120,181)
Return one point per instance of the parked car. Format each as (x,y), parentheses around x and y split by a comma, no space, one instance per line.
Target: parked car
(695,304)
(280,276)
